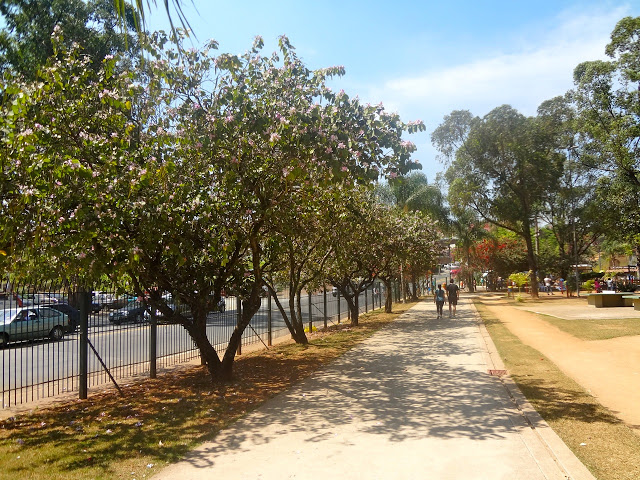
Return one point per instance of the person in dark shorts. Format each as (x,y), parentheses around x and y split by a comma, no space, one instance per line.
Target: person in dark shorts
(452,296)
(438,298)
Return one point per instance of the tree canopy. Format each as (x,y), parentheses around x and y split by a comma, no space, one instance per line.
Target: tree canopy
(179,175)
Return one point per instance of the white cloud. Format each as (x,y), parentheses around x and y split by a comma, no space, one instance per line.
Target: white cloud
(536,69)
(523,79)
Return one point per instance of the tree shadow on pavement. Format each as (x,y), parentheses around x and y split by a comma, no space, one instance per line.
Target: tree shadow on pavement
(420,377)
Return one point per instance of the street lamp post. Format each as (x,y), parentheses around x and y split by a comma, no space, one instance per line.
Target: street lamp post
(575,252)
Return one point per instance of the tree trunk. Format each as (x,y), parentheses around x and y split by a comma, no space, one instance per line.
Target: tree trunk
(250,307)
(354,308)
(295,310)
(533,264)
(294,325)
(198,332)
(414,288)
(388,303)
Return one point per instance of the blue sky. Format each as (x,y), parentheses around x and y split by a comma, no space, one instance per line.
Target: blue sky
(424,59)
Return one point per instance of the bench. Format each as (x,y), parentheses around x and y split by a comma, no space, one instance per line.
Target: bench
(609,299)
(634,300)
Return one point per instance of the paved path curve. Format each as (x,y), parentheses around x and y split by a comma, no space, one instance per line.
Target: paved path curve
(414,401)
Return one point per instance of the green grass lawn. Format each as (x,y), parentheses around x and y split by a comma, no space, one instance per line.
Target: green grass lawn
(606,445)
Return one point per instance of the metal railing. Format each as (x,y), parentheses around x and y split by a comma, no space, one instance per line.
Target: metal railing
(36,364)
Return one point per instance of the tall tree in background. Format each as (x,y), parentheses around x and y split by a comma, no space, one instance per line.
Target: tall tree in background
(413,193)
(26,39)
(468,229)
(607,97)
(502,170)
(571,211)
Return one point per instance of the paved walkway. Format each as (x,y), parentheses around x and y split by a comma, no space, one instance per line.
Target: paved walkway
(415,401)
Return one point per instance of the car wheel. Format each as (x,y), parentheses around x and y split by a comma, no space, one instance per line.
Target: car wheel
(56,334)
(4,340)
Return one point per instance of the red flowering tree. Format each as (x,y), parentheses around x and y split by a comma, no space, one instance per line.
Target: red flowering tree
(502,255)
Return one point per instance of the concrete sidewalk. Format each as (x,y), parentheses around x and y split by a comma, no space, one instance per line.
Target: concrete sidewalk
(415,401)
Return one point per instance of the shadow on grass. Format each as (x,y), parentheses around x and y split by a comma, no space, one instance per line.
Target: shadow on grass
(555,403)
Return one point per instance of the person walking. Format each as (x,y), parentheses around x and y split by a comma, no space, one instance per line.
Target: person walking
(452,296)
(438,298)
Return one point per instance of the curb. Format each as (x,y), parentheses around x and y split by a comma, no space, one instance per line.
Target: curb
(563,457)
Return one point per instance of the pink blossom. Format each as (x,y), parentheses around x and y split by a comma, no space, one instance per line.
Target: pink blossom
(345,169)
(329,150)
(274,137)
(342,145)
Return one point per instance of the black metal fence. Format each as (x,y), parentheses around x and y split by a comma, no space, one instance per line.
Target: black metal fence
(47,352)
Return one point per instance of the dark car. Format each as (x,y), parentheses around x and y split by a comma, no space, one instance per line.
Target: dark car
(132,312)
(69,311)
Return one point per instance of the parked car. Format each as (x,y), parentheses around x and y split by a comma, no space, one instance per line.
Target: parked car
(104,299)
(29,323)
(132,312)
(30,299)
(69,311)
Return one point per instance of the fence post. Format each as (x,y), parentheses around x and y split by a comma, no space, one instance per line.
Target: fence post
(238,319)
(269,327)
(324,306)
(373,297)
(366,301)
(310,316)
(83,361)
(153,345)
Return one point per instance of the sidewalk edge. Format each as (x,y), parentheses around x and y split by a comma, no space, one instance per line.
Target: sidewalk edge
(565,458)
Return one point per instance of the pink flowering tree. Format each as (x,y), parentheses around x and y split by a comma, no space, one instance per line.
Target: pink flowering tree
(179,177)
(409,242)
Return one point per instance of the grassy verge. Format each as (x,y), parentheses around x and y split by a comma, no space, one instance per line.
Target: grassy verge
(597,329)
(159,421)
(608,447)
(586,329)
